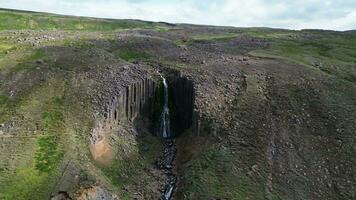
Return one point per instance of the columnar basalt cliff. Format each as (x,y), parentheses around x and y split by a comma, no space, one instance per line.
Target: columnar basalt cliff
(182,96)
(123,108)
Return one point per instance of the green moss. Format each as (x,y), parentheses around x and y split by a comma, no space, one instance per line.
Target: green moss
(52,119)
(3,99)
(131,55)
(28,60)
(27,184)
(334,54)
(48,154)
(214,173)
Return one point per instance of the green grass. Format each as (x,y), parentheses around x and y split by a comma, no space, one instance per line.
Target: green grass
(12,20)
(18,20)
(28,59)
(48,154)
(207,38)
(27,184)
(5,47)
(35,175)
(6,107)
(216,173)
(131,55)
(162,29)
(214,37)
(3,99)
(80,44)
(10,53)
(334,54)
(52,119)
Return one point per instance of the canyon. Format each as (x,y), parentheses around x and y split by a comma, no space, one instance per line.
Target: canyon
(125,109)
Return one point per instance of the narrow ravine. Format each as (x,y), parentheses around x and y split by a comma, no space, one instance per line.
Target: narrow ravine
(166,163)
(167,158)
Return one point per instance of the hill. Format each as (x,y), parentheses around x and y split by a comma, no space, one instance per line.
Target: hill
(257,113)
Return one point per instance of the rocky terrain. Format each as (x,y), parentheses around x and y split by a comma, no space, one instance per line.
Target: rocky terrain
(256,113)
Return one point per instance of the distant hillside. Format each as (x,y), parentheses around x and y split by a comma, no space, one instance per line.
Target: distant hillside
(351,31)
(15,20)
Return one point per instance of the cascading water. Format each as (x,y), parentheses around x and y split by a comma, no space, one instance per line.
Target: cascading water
(166,160)
(165,122)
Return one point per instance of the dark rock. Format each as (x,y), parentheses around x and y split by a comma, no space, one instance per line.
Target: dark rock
(39,62)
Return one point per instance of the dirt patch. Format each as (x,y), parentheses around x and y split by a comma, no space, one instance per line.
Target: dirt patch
(101,151)
(95,193)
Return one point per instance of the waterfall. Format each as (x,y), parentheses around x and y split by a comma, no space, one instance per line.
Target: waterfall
(166,161)
(164,126)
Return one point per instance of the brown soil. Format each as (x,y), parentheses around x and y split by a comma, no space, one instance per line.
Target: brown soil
(101,152)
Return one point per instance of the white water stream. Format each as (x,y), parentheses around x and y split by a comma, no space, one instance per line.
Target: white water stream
(165,122)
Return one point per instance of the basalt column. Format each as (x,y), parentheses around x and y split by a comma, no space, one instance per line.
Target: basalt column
(122,107)
(182,103)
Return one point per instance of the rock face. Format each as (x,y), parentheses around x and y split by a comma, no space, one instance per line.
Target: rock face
(132,101)
(128,104)
(182,95)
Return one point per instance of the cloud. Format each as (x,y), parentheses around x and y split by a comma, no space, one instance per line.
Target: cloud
(325,14)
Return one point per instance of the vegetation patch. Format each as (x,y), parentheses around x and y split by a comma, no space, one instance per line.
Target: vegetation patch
(214,173)
(27,184)
(5,48)
(131,55)
(3,99)
(48,154)
(130,168)
(206,38)
(28,61)
(52,119)
(10,20)
(214,37)
(329,53)
(162,29)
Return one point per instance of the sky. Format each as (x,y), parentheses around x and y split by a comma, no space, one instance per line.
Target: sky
(291,14)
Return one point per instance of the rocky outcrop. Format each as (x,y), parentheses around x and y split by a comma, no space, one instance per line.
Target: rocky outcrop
(129,103)
(123,107)
(182,95)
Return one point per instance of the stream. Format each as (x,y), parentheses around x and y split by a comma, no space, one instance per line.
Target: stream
(166,164)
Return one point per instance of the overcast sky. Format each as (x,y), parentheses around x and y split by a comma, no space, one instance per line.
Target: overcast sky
(292,14)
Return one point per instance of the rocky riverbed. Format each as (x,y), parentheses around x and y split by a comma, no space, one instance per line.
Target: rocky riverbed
(166,163)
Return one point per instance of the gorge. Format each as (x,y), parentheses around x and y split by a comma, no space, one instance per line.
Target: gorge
(94,109)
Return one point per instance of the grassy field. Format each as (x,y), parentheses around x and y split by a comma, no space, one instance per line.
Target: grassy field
(332,53)
(42,21)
